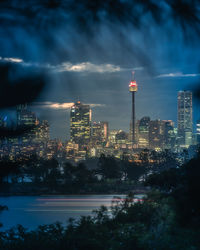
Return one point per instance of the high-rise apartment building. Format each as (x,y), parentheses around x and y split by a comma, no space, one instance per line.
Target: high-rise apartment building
(184,118)
(80,123)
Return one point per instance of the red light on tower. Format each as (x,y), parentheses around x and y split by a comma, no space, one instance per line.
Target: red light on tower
(133,85)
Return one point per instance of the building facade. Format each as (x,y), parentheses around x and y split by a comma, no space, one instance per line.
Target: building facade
(99,132)
(143,132)
(185,118)
(80,123)
(156,135)
(198,132)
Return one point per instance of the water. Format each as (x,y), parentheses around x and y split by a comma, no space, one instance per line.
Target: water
(31,211)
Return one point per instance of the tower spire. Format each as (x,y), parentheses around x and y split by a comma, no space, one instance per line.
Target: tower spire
(133,75)
(133,88)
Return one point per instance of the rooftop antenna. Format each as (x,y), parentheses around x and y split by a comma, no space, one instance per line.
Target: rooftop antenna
(132,75)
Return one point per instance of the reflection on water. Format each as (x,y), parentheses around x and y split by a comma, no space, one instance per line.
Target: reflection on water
(31,211)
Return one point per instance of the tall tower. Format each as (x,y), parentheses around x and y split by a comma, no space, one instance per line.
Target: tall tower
(185,118)
(133,88)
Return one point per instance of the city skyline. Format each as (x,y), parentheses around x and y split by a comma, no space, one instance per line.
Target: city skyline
(99,114)
(90,138)
(64,109)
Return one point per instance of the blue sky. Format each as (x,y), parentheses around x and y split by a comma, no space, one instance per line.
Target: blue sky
(96,68)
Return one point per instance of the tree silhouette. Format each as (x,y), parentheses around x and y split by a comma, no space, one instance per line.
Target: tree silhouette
(108,167)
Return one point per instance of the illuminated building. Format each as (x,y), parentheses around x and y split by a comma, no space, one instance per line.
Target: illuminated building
(80,123)
(52,148)
(41,138)
(3,122)
(169,135)
(42,132)
(71,150)
(112,136)
(161,134)
(198,132)
(93,152)
(133,88)
(156,135)
(184,118)
(99,132)
(121,137)
(32,141)
(25,117)
(143,132)
(105,130)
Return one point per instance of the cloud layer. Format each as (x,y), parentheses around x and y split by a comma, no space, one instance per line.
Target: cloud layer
(87,67)
(11,59)
(62,106)
(176,74)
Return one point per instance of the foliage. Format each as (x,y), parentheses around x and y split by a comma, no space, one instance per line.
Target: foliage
(110,175)
(167,218)
(150,224)
(183,185)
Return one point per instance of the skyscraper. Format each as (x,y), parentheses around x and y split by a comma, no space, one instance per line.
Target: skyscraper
(185,118)
(198,131)
(80,123)
(169,135)
(143,132)
(133,88)
(25,117)
(100,132)
(156,134)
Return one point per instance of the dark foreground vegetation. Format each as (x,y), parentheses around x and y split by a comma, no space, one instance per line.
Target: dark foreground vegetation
(168,218)
(35,175)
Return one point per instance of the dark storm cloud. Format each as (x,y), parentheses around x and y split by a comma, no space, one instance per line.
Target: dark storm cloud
(18,87)
(85,34)
(53,30)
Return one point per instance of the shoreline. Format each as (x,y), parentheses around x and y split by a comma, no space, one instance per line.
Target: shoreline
(71,194)
(101,189)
